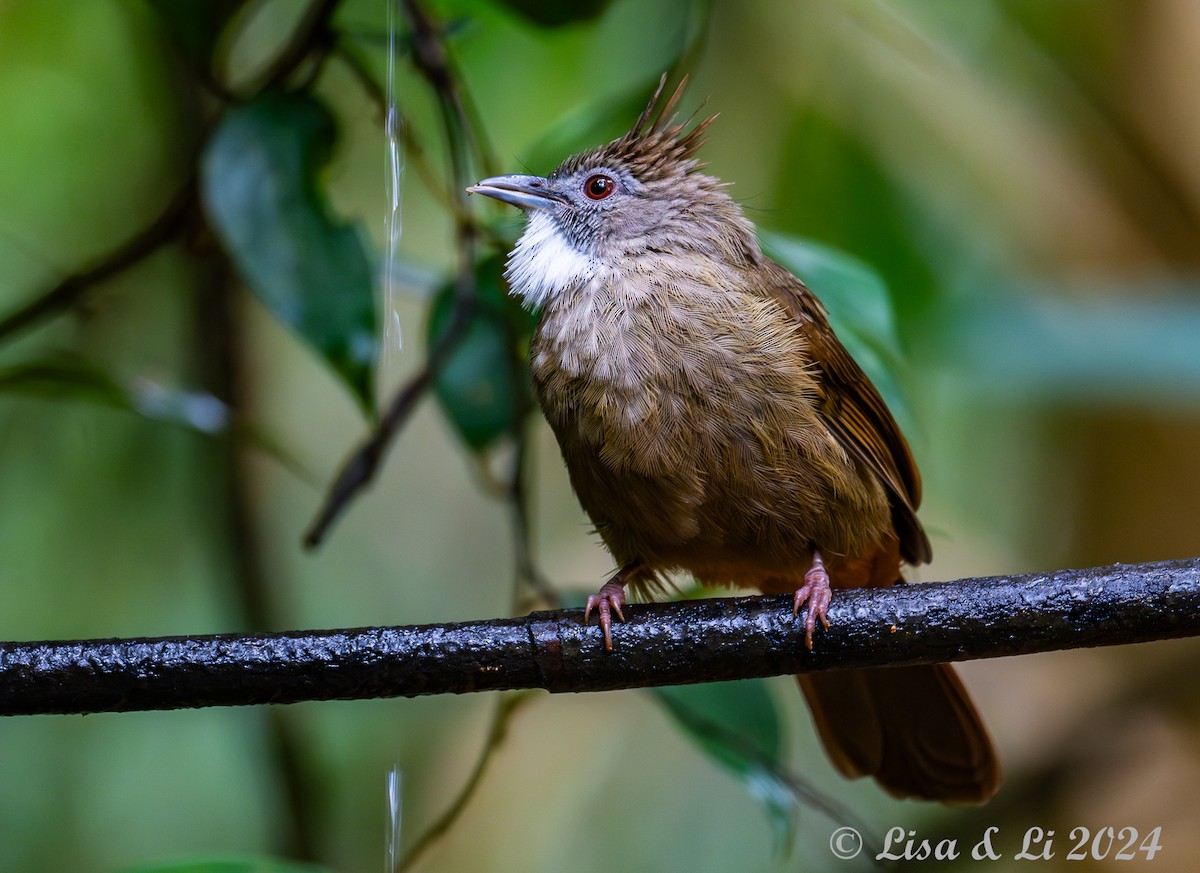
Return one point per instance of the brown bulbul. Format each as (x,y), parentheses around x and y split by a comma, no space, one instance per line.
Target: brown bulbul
(712,422)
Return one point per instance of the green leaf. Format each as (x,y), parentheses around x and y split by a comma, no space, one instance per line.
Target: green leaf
(228,865)
(737,725)
(309,268)
(63,376)
(483,387)
(859,305)
(69,377)
(858,203)
(1103,346)
(856,297)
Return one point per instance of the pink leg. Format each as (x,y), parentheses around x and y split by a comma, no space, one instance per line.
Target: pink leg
(817,594)
(609,599)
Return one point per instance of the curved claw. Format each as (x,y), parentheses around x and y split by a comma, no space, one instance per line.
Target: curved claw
(610,598)
(816,592)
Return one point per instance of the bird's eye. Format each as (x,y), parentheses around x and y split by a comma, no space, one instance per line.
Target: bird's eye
(599,186)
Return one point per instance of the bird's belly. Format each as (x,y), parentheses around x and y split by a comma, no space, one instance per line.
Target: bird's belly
(705,454)
(727,512)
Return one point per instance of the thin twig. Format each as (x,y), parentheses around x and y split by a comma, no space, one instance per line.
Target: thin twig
(802,791)
(360,468)
(170,223)
(429,55)
(312,33)
(497,732)
(414,150)
(659,644)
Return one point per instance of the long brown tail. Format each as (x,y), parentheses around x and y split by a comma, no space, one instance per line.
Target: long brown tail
(913,729)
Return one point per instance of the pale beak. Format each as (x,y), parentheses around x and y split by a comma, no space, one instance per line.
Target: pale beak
(527,192)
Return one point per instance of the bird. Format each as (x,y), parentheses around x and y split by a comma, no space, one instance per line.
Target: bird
(712,423)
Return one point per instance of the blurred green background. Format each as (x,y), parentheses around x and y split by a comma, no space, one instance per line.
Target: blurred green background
(1022,174)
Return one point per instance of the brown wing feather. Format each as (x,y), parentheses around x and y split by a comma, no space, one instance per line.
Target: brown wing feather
(855,412)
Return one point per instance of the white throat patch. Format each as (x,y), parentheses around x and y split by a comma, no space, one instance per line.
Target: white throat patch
(543,264)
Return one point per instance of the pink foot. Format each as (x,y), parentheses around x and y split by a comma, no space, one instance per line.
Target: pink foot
(817,594)
(610,598)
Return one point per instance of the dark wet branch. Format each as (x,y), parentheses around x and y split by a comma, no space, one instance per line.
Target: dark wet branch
(661,644)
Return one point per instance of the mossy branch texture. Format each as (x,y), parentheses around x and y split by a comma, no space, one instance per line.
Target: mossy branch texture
(660,644)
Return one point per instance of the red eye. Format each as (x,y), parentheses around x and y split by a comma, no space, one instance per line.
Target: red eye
(599,186)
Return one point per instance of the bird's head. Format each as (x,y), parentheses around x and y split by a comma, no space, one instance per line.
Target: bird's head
(607,209)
